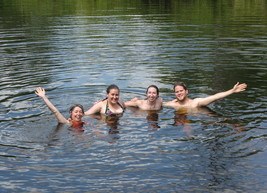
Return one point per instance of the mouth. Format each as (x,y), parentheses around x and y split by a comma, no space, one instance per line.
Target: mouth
(179,96)
(151,98)
(78,118)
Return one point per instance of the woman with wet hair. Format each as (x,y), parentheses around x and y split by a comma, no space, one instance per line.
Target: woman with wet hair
(109,106)
(76,111)
(151,102)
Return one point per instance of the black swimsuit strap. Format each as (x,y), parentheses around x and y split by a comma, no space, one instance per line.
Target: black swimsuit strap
(107,108)
(121,106)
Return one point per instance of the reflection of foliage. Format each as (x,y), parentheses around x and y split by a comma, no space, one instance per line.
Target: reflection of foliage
(201,11)
(152,118)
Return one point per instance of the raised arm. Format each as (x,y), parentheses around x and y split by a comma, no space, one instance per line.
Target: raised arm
(236,89)
(41,93)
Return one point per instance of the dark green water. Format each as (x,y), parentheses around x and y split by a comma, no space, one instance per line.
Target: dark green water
(75,49)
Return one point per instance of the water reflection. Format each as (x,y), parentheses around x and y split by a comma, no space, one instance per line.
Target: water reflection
(151,116)
(112,123)
(153,119)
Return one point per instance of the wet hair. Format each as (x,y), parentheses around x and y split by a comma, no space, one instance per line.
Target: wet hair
(153,86)
(179,84)
(112,86)
(76,105)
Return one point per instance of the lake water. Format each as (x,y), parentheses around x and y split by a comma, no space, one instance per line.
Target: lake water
(75,49)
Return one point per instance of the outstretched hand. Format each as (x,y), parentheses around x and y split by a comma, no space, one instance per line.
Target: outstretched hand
(239,87)
(134,99)
(40,92)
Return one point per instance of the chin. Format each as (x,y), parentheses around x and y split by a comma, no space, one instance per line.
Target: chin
(180,99)
(78,120)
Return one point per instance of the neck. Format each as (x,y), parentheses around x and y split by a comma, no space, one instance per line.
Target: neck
(112,104)
(151,104)
(182,102)
(77,124)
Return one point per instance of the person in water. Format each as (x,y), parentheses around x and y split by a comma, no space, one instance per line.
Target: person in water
(76,111)
(183,101)
(110,105)
(152,101)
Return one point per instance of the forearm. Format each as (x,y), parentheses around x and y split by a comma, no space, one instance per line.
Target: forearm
(51,107)
(168,104)
(54,110)
(94,109)
(224,94)
(88,112)
(130,104)
(210,99)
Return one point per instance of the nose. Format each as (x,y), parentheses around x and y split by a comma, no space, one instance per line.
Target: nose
(80,114)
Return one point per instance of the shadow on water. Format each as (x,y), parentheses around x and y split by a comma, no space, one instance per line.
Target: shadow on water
(208,118)
(152,117)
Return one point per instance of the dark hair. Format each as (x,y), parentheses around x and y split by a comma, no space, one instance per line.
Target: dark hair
(112,86)
(153,86)
(76,105)
(179,84)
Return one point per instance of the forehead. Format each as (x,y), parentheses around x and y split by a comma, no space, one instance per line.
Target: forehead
(152,89)
(178,87)
(77,109)
(114,91)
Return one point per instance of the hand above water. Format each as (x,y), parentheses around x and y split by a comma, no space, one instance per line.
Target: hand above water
(239,87)
(40,92)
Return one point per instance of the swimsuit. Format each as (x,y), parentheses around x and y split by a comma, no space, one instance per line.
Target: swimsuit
(108,112)
(77,124)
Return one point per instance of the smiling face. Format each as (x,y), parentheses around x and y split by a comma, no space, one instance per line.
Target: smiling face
(113,96)
(152,94)
(76,113)
(180,93)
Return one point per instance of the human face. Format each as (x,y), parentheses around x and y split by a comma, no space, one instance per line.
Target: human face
(152,94)
(77,114)
(113,96)
(180,93)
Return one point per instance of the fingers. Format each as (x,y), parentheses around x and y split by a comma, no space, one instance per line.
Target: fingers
(39,91)
(242,86)
(236,85)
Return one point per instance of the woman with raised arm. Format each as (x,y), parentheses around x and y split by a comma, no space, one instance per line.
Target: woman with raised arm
(183,101)
(76,111)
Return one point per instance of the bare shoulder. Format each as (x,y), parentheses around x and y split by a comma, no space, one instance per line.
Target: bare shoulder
(193,103)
